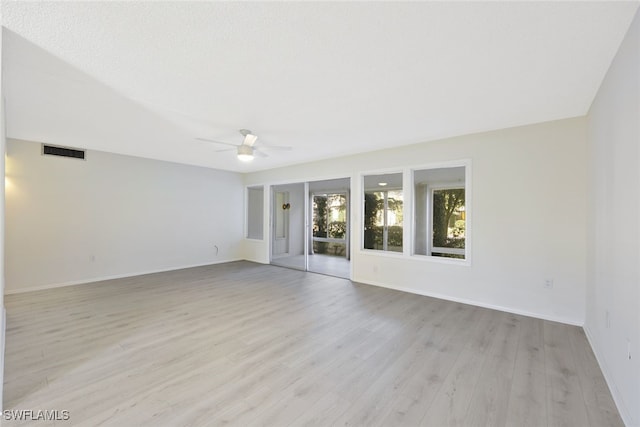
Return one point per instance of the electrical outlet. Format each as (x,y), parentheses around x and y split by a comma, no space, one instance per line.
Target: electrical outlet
(548,283)
(607,319)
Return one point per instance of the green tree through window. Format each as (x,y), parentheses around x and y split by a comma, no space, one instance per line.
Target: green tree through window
(329,223)
(447,203)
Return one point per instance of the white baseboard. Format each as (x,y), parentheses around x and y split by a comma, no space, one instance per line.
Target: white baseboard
(558,319)
(116,276)
(613,389)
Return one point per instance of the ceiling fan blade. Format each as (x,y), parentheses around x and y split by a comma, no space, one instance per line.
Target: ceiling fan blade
(259,153)
(226,149)
(275,147)
(217,142)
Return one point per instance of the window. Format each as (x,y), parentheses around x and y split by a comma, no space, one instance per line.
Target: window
(255,212)
(330,223)
(440,212)
(383,212)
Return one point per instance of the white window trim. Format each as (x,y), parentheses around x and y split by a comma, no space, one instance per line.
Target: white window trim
(467,261)
(362,175)
(408,186)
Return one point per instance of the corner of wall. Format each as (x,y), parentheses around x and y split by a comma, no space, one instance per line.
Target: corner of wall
(612,323)
(625,413)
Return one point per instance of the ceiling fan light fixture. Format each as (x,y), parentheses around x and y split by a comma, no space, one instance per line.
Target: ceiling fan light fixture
(245,153)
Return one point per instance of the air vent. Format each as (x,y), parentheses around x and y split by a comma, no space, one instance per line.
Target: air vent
(52,150)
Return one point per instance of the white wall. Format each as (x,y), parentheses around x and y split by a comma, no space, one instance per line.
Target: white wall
(614,226)
(528,219)
(72,221)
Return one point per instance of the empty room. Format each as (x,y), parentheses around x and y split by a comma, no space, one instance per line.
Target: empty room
(320,213)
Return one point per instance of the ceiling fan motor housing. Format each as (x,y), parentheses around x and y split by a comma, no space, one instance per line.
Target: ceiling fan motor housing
(245,149)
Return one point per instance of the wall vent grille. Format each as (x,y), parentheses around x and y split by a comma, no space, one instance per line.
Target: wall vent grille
(52,150)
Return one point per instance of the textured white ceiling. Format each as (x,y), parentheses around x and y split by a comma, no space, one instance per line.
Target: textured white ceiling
(328,78)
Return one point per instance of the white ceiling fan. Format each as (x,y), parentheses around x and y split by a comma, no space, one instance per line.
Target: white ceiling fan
(247,149)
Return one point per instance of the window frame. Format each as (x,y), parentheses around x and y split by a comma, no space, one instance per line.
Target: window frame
(402,188)
(467,164)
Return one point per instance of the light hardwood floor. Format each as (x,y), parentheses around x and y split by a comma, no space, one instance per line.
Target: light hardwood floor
(247,344)
(318,263)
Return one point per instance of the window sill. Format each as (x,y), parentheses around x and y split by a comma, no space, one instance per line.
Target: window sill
(390,254)
(419,258)
(441,260)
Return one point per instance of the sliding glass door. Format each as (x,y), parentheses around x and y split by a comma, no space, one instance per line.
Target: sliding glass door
(310,226)
(330,234)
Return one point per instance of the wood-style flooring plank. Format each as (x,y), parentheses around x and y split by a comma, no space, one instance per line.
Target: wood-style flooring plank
(527,398)
(489,403)
(565,403)
(244,344)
